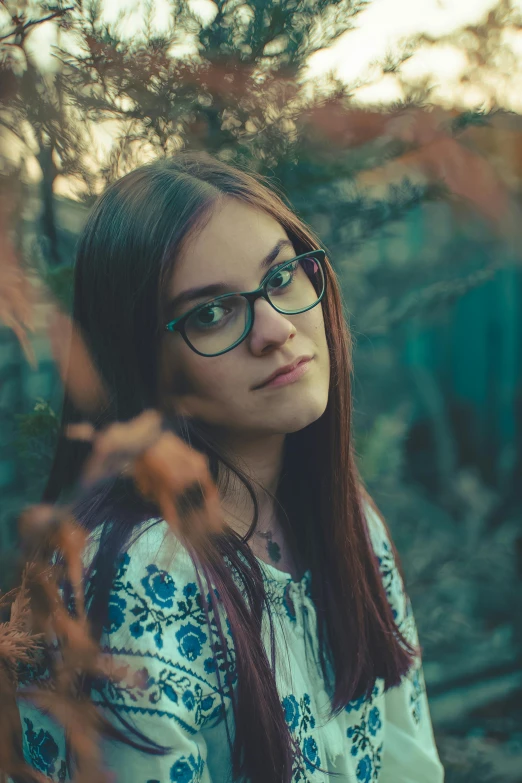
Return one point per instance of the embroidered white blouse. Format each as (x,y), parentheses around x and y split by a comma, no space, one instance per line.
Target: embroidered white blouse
(159,640)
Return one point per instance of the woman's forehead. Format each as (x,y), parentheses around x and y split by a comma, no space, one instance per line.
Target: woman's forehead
(231,243)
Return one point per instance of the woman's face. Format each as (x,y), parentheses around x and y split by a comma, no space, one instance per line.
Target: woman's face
(222,390)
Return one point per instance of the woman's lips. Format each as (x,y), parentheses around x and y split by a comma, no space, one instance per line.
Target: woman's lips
(289,377)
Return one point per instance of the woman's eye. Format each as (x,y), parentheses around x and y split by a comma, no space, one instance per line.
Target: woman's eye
(209,315)
(282,277)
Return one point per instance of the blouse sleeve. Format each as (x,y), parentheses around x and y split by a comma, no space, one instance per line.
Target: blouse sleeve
(164,675)
(410,754)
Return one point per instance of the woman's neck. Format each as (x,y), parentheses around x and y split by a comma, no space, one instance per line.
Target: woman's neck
(261,461)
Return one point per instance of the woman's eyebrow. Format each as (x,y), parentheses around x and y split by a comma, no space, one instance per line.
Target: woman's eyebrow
(215,289)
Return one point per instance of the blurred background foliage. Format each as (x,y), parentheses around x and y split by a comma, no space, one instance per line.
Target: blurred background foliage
(417,202)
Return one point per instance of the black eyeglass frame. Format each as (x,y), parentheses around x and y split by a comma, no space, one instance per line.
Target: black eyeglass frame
(178,324)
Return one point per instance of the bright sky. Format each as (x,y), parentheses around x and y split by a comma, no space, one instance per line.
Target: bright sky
(379,30)
(384,22)
(381,27)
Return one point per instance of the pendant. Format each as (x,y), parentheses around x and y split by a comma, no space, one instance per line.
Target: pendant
(272,547)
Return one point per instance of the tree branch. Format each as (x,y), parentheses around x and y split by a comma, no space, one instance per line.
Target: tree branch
(21,28)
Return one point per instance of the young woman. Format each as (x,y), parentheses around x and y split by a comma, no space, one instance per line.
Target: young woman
(284,649)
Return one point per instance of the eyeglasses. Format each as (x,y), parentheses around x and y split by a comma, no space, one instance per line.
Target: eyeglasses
(217,326)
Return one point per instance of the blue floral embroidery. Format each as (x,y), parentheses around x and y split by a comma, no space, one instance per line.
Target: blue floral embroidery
(389,574)
(189,700)
(403,615)
(311,754)
(278,593)
(159,586)
(190,590)
(365,735)
(137,630)
(187,769)
(117,606)
(308,711)
(138,687)
(374,721)
(43,751)
(364,770)
(287,603)
(191,639)
(355,704)
(415,696)
(291,708)
(182,615)
(123,564)
(158,607)
(300,720)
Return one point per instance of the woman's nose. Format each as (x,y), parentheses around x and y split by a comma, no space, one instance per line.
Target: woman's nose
(271,329)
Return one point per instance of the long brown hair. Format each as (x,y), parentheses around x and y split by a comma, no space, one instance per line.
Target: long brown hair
(125,256)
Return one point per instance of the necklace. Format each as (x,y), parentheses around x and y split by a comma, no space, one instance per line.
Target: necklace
(272,547)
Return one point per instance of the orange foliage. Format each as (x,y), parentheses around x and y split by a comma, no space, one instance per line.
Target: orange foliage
(431,150)
(166,471)
(164,468)
(15,291)
(80,376)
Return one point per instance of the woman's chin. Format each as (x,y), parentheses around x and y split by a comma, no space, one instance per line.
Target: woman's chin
(299,419)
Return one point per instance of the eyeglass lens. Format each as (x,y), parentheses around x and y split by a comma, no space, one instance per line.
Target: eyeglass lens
(221,323)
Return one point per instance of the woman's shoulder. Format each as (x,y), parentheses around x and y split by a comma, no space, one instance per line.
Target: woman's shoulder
(152,540)
(383,548)
(163,634)
(377,530)
(154,564)
(156,573)
(156,588)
